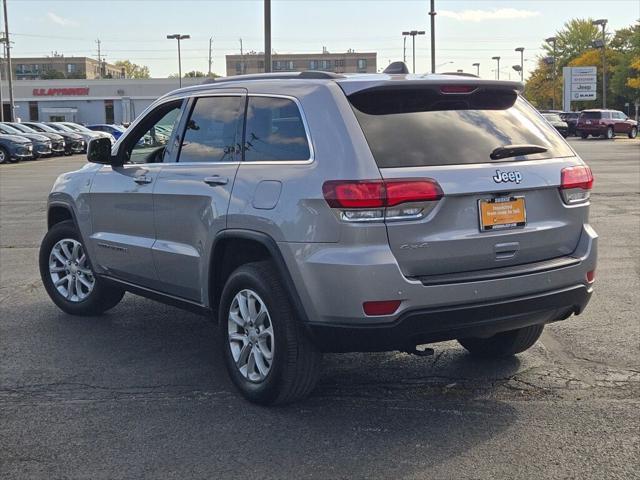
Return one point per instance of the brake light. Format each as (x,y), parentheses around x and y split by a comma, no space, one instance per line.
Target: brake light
(576,183)
(385,307)
(457,88)
(370,200)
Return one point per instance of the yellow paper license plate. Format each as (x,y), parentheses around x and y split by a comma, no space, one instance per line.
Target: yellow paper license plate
(505,212)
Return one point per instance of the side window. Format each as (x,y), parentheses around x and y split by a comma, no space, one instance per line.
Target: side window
(214,130)
(148,142)
(275,131)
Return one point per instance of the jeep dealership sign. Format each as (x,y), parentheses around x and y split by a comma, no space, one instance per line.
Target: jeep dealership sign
(579,84)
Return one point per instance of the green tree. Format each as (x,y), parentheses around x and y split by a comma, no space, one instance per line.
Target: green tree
(52,75)
(132,70)
(576,36)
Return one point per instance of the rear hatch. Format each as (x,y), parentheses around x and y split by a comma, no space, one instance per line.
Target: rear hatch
(500,206)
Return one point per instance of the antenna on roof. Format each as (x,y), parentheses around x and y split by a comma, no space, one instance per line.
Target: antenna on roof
(396,67)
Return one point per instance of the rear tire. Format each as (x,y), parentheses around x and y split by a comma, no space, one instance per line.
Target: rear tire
(76,298)
(505,344)
(293,368)
(633,133)
(584,135)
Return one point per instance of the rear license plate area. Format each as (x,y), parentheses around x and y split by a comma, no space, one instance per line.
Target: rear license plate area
(501,213)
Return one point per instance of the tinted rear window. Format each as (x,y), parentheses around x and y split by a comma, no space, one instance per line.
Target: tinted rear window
(591,115)
(410,127)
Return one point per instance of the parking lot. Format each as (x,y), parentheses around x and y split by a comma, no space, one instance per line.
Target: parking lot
(141,392)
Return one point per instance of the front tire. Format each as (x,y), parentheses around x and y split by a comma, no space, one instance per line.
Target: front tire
(505,344)
(4,155)
(267,353)
(68,277)
(609,133)
(633,133)
(584,135)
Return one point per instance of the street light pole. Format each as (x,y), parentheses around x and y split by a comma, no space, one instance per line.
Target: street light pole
(477,65)
(8,59)
(521,50)
(432,14)
(603,23)
(413,34)
(552,40)
(498,70)
(404,49)
(179,37)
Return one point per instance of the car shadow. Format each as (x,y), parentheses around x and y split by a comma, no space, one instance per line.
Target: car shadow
(382,415)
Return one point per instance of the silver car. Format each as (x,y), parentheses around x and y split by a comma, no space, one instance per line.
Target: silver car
(313,212)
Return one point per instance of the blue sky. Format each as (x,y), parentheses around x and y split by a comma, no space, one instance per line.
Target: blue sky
(466,31)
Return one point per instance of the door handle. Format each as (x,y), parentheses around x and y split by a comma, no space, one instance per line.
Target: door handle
(142,179)
(216,180)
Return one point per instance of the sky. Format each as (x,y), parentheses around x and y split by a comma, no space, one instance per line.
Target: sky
(466,31)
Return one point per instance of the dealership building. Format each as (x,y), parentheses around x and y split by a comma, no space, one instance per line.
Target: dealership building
(87,101)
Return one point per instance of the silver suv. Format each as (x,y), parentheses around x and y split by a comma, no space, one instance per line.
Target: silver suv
(315,212)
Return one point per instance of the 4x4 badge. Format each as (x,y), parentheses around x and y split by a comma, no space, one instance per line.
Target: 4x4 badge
(507,177)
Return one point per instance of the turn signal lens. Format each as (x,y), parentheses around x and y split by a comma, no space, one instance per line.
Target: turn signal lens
(385,307)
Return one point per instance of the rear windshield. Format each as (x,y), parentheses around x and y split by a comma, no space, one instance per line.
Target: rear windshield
(411,127)
(591,114)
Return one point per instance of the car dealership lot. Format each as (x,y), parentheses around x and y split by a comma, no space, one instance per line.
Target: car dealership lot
(141,391)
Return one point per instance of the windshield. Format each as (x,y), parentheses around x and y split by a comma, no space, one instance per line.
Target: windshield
(552,117)
(41,127)
(59,127)
(75,128)
(9,130)
(23,128)
(421,127)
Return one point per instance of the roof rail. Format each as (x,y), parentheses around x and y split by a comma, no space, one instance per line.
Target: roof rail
(305,75)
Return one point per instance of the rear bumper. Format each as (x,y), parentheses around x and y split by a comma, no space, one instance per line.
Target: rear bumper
(416,327)
(592,129)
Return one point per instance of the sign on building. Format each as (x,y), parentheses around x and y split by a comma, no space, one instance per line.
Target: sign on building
(579,84)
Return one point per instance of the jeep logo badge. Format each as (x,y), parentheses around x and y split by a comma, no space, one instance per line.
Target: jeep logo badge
(503,177)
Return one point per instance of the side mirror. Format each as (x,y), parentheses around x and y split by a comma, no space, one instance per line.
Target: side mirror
(99,151)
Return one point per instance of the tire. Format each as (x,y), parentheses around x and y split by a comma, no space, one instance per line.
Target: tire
(609,134)
(294,367)
(505,344)
(633,133)
(4,155)
(584,135)
(79,299)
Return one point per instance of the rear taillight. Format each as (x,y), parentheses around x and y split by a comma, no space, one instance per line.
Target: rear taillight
(576,184)
(591,276)
(375,200)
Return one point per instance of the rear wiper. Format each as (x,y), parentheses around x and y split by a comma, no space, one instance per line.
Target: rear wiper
(507,151)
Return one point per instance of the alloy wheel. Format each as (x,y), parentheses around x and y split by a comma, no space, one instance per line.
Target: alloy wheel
(250,334)
(69,270)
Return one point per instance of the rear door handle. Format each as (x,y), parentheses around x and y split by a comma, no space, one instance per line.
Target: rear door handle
(142,180)
(216,180)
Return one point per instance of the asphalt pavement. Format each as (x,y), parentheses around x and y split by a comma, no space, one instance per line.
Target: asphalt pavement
(141,392)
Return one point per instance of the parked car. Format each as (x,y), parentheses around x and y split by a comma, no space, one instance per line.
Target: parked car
(376,231)
(58,144)
(606,123)
(87,133)
(73,143)
(87,137)
(14,148)
(41,144)
(572,120)
(557,123)
(115,130)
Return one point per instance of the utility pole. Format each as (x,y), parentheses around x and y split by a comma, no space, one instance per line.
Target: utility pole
(210,49)
(9,69)
(1,73)
(267,36)
(242,69)
(432,14)
(99,59)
